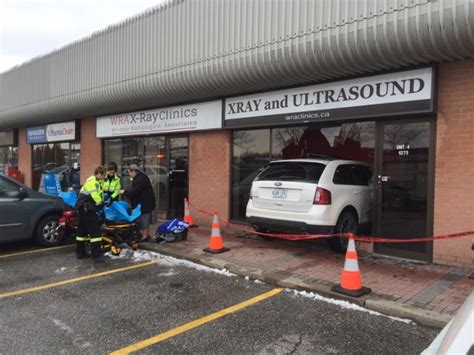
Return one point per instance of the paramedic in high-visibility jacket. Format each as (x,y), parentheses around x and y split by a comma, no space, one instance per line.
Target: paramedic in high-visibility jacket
(89,202)
(112,185)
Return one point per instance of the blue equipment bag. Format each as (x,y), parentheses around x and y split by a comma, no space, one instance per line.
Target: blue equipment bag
(118,212)
(172,231)
(69,197)
(50,184)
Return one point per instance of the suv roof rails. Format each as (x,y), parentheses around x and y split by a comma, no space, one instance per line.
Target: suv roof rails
(321,156)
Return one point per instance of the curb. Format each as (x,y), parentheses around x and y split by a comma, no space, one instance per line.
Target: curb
(286,280)
(422,316)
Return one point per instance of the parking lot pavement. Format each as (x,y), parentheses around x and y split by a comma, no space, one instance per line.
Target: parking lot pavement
(140,296)
(427,293)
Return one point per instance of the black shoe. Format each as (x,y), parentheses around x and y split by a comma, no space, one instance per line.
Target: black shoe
(96,255)
(82,255)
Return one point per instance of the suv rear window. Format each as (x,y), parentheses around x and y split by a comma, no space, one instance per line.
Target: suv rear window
(292,171)
(349,174)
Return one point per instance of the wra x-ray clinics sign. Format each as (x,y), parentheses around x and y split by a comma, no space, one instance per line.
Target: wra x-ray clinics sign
(194,117)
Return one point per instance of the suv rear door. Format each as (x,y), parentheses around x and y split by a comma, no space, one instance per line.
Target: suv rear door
(12,215)
(352,182)
(287,186)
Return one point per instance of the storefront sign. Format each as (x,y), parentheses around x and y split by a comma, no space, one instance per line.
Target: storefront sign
(406,92)
(7,138)
(56,132)
(195,117)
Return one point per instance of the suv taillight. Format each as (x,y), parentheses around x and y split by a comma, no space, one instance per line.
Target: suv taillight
(322,197)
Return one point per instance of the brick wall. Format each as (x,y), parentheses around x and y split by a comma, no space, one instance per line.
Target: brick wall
(454,176)
(91,148)
(209,173)
(24,157)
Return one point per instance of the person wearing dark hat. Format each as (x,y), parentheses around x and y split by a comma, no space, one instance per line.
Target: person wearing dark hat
(112,185)
(141,193)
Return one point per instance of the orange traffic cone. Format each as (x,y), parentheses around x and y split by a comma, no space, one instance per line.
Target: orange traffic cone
(187,215)
(351,281)
(216,245)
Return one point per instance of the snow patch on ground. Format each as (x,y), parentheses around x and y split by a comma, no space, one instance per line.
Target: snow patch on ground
(165,260)
(344,304)
(257,281)
(60,271)
(170,272)
(77,339)
(169,261)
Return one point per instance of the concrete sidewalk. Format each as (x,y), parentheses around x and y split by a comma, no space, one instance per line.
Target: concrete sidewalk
(429,294)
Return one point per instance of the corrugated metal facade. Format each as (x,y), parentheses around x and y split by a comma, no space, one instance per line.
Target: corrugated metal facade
(198,49)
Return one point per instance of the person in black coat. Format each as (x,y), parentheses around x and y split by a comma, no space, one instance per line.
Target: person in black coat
(141,193)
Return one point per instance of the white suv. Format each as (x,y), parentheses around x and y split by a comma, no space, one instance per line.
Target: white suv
(316,196)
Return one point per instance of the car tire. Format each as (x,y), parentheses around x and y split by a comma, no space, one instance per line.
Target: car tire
(46,232)
(347,223)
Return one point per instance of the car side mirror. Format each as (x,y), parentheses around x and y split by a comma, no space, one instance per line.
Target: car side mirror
(22,193)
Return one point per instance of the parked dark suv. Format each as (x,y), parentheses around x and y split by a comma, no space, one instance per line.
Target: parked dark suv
(26,214)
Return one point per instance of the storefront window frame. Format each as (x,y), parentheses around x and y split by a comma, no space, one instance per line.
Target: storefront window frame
(379,122)
(231,197)
(12,151)
(272,155)
(167,138)
(76,141)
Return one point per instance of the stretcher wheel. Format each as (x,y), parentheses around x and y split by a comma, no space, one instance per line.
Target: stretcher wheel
(134,245)
(115,250)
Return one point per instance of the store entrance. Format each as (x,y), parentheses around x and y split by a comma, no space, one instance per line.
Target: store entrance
(164,159)
(166,164)
(402,184)
(177,175)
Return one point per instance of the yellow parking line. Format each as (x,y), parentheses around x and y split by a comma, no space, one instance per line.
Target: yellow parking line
(35,251)
(76,279)
(196,323)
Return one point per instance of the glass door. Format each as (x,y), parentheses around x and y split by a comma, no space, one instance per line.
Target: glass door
(163,159)
(178,175)
(403,188)
(156,167)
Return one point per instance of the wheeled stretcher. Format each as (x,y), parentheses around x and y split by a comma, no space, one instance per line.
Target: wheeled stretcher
(119,227)
(117,234)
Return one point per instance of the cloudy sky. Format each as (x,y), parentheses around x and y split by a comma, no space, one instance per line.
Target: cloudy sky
(29,28)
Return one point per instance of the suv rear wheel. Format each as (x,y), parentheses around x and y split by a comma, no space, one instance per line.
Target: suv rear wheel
(47,232)
(347,223)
